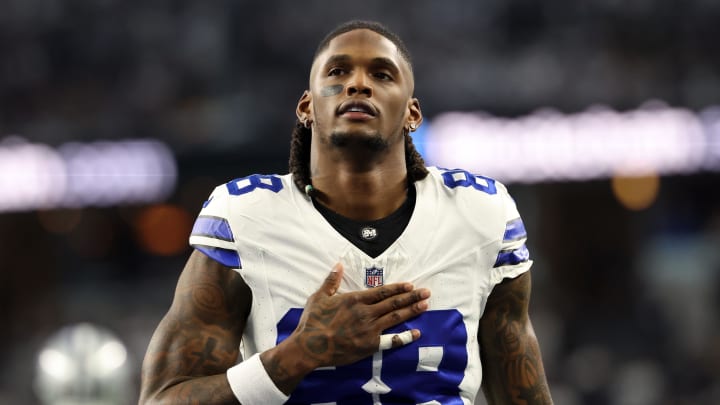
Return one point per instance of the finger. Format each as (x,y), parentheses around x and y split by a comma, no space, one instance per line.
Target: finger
(393,340)
(393,318)
(378,294)
(332,281)
(400,301)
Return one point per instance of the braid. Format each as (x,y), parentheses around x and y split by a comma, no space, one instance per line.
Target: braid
(300,159)
(300,156)
(414,161)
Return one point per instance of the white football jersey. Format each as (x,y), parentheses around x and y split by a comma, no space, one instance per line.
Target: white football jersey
(465,235)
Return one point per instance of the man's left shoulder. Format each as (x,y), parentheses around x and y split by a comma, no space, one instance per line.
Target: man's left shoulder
(479,201)
(465,185)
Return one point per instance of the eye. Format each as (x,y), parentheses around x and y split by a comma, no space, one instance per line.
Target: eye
(382,76)
(337,71)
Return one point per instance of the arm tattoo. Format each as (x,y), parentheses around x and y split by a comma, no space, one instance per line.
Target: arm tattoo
(510,351)
(206,356)
(198,339)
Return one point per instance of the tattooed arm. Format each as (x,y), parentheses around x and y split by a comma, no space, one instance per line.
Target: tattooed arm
(198,339)
(513,371)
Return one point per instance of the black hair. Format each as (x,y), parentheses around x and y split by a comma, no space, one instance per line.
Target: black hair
(301,135)
(365,25)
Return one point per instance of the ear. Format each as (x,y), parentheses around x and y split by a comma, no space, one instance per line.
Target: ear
(414,118)
(304,108)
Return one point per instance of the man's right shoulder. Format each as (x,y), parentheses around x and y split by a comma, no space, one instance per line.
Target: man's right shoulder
(244,193)
(256,194)
(240,210)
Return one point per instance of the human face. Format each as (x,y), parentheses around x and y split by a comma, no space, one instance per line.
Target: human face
(360,86)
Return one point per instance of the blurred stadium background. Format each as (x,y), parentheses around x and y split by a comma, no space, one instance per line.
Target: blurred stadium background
(603,116)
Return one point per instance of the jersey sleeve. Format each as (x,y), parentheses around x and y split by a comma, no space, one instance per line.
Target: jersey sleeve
(212,233)
(513,257)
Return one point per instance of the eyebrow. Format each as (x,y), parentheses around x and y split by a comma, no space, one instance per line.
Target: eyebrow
(379,61)
(385,62)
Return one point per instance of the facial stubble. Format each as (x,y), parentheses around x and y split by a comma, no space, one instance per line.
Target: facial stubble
(371,142)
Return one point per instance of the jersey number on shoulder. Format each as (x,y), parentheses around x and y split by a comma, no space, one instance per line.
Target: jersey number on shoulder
(247,184)
(456,177)
(429,369)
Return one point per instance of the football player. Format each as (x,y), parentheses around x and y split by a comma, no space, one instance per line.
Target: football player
(361,277)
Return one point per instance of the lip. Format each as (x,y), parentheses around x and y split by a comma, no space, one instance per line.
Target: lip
(357,109)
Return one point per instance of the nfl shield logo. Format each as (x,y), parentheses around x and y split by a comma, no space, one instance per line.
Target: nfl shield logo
(373,277)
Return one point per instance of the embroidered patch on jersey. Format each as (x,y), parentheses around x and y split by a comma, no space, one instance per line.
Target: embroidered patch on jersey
(368,233)
(374,276)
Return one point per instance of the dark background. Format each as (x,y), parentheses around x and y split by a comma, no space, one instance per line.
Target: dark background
(625,302)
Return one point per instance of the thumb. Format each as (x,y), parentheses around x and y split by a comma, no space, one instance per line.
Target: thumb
(332,282)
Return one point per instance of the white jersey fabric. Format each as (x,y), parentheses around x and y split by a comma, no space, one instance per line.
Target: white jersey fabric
(465,235)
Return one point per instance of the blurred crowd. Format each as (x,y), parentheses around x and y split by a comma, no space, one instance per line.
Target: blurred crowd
(229,72)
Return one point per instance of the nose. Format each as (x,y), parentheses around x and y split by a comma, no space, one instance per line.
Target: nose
(358,84)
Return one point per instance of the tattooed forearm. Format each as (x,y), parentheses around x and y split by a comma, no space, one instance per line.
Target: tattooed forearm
(519,356)
(187,367)
(198,339)
(511,357)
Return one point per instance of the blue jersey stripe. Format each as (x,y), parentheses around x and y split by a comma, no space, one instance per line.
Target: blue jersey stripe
(214,227)
(227,257)
(514,230)
(511,257)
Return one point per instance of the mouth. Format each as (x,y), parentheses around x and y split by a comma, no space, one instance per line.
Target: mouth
(357,110)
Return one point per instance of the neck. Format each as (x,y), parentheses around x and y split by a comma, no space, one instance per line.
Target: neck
(362,191)
(362,196)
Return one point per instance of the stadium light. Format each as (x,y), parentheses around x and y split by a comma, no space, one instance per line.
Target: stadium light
(75,175)
(597,143)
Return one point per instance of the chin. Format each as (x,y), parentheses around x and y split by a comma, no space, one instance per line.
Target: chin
(373,141)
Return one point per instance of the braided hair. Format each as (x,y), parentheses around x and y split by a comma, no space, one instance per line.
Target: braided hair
(301,136)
